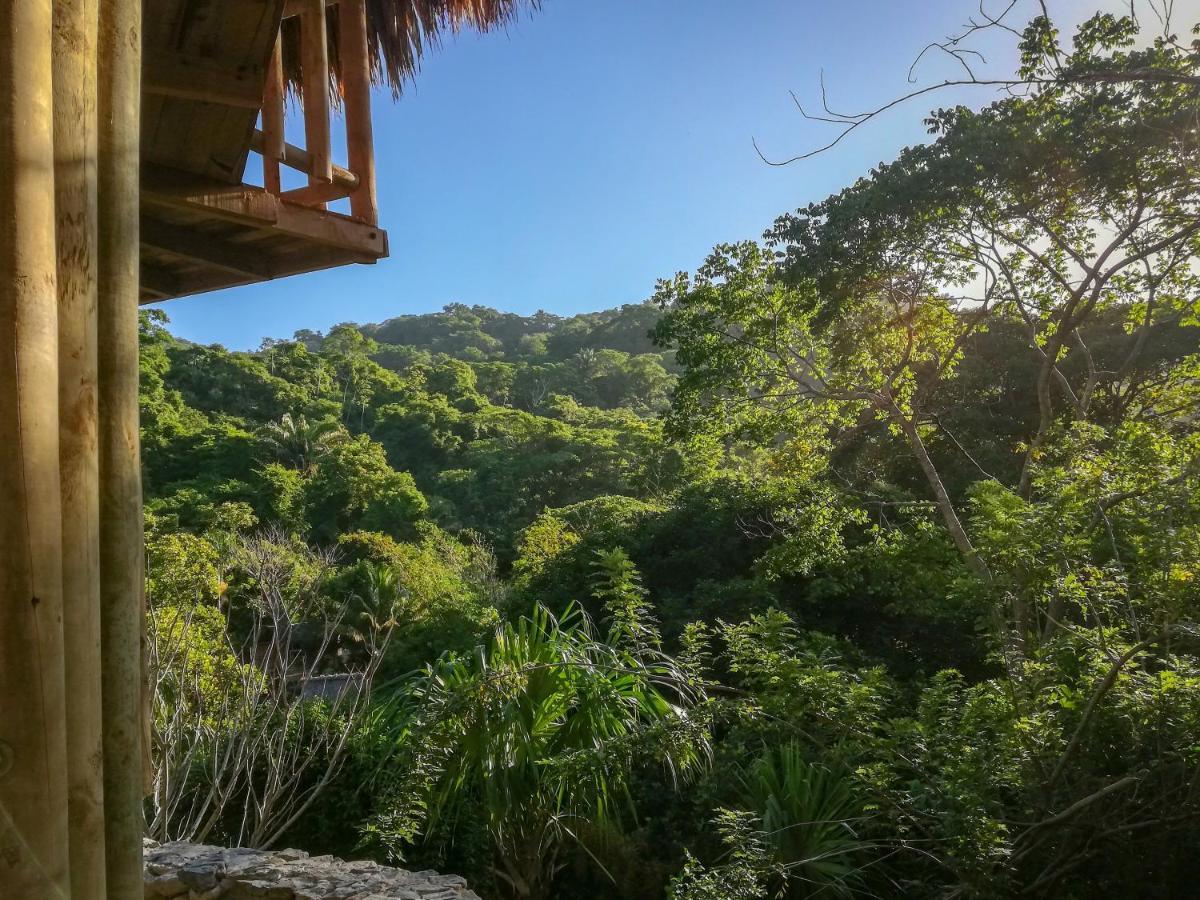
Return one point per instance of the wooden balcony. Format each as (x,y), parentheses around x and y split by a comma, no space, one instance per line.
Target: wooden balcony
(211,69)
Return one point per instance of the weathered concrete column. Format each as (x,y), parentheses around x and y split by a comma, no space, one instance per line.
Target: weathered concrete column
(75,24)
(121,560)
(33,797)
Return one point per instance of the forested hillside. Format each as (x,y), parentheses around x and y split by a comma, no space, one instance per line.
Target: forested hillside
(860,562)
(480,420)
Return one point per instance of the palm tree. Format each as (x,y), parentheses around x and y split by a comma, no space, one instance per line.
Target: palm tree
(586,361)
(299,443)
(381,605)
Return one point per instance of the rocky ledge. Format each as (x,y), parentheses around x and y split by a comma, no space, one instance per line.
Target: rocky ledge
(199,872)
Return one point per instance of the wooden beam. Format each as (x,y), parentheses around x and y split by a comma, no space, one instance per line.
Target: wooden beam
(243,205)
(159,284)
(76,236)
(295,7)
(188,243)
(272,120)
(314,70)
(316,194)
(197,78)
(150,295)
(33,751)
(158,281)
(311,260)
(122,574)
(256,208)
(356,87)
(333,229)
(163,181)
(302,161)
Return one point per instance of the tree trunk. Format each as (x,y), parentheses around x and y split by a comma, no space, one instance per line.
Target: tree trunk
(945,506)
(1045,416)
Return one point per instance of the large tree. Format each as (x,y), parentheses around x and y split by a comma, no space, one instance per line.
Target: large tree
(1047,210)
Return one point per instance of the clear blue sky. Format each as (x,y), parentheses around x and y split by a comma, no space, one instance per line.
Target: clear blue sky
(568,162)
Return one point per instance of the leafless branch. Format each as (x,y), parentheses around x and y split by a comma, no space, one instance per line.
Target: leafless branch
(248,735)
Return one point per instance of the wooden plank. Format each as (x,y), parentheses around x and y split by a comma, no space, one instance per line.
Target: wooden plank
(206,80)
(314,70)
(205,137)
(273,144)
(209,27)
(356,87)
(192,244)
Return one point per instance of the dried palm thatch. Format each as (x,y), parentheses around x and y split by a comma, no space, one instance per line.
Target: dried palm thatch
(399,32)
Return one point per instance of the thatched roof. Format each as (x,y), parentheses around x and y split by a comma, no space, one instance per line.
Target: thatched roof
(399,32)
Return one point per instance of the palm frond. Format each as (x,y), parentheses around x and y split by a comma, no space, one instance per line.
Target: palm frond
(400,31)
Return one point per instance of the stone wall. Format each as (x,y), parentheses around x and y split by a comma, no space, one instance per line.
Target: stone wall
(199,872)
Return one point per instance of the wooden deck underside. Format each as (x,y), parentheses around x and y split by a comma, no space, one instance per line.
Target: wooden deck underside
(201,236)
(204,70)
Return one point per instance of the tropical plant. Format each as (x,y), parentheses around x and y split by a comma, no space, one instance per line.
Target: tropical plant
(298,442)
(809,819)
(380,606)
(922,531)
(746,872)
(543,728)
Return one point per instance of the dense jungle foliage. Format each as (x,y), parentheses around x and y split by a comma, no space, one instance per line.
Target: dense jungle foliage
(861,562)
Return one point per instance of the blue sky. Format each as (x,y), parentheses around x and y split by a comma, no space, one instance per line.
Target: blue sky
(597,145)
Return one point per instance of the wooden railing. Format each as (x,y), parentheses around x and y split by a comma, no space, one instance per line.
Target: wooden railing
(326,181)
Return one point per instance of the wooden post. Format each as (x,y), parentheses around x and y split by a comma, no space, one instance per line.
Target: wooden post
(356,88)
(314,71)
(75,24)
(272,121)
(33,749)
(122,615)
